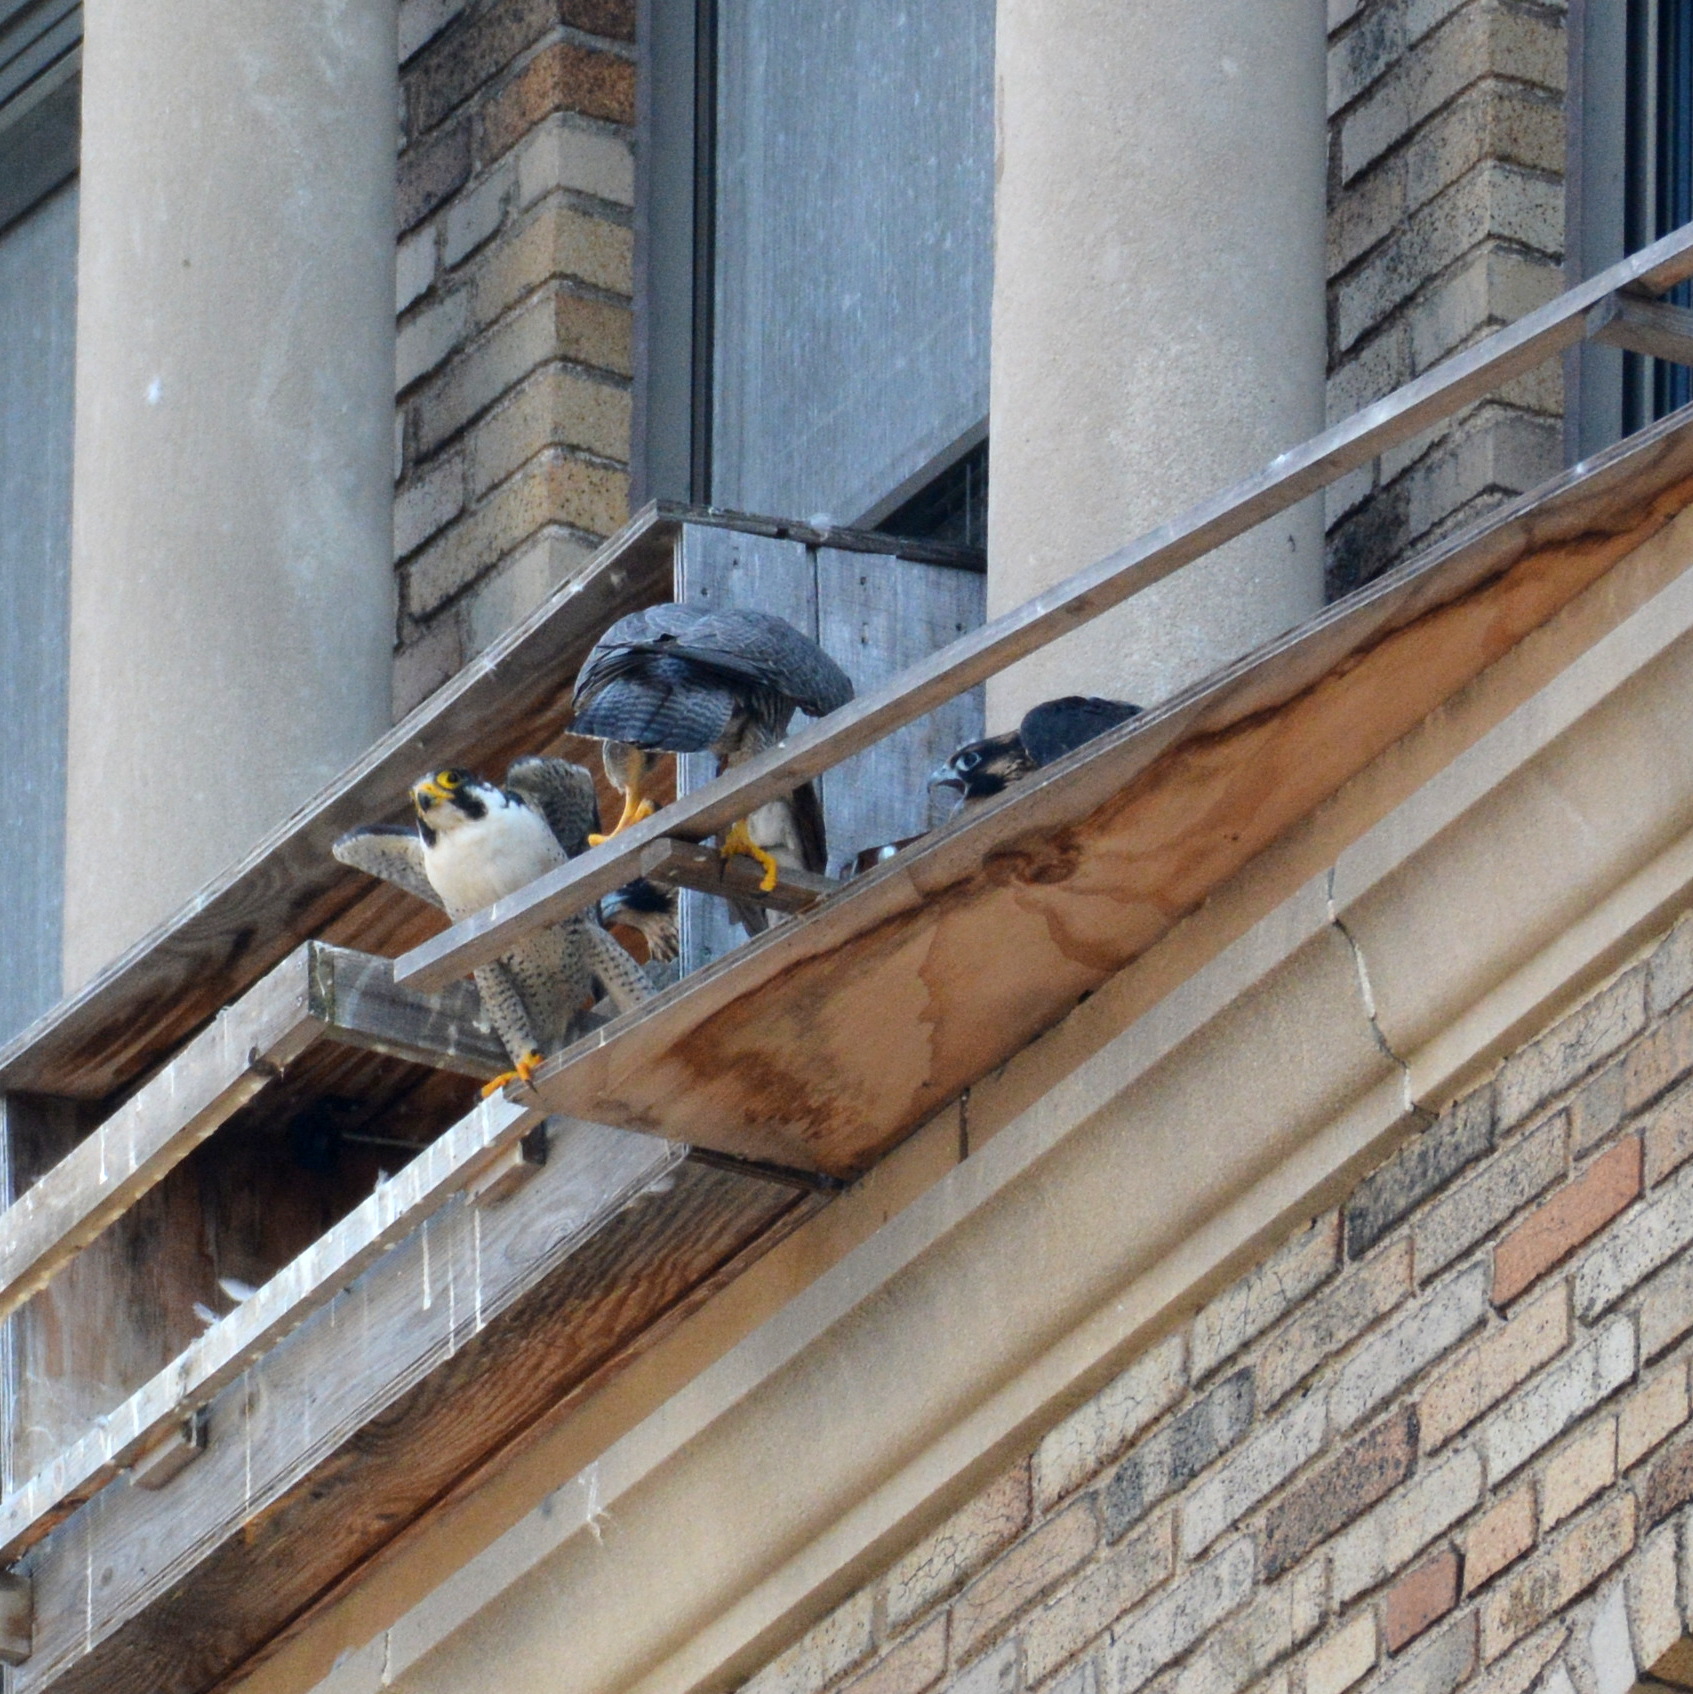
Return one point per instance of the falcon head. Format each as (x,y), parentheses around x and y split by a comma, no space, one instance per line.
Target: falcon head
(980,769)
(449,799)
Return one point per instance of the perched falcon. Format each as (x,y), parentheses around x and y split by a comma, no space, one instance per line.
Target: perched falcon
(474,843)
(682,679)
(980,769)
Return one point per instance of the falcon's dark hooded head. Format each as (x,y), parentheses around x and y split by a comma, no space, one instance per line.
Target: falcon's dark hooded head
(981,769)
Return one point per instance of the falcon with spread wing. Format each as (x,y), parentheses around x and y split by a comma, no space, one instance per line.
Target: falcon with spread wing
(981,769)
(684,679)
(472,844)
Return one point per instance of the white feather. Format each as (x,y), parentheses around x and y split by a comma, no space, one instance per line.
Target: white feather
(473,862)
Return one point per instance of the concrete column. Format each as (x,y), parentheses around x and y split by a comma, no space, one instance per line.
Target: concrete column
(1158,319)
(231,580)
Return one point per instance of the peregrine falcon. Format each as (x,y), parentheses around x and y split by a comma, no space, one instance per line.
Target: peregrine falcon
(474,843)
(981,769)
(682,679)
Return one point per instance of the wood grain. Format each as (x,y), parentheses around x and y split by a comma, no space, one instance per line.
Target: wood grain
(440,1356)
(827,1041)
(972,659)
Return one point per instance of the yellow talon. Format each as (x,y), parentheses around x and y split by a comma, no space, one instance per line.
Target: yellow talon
(634,812)
(739,840)
(526,1068)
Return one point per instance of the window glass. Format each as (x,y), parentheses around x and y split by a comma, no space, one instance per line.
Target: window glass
(852,237)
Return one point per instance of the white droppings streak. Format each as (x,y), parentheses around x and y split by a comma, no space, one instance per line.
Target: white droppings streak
(428,1292)
(88,1595)
(476,1264)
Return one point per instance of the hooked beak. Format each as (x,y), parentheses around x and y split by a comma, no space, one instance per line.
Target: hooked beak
(944,776)
(426,794)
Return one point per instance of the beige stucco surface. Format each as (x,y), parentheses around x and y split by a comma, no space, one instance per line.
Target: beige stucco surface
(232,609)
(1158,325)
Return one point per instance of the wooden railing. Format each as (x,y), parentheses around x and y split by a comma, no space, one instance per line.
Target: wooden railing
(1610,308)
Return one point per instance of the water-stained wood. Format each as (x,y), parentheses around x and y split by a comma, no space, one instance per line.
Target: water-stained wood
(447,1350)
(828,1040)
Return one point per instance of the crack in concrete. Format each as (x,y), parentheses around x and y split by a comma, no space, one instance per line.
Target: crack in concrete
(1366,994)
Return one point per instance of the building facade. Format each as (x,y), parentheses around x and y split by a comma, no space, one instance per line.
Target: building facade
(1286,1286)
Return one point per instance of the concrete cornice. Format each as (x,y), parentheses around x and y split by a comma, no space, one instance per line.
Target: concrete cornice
(1480,877)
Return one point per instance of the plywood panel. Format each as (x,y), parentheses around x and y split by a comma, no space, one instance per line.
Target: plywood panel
(878,616)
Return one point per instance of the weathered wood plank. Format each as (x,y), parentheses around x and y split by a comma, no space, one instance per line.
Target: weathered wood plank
(1302,471)
(683,864)
(1653,327)
(877,617)
(443,1354)
(253,1328)
(357,1002)
(204,1086)
(874,541)
(722,569)
(829,1039)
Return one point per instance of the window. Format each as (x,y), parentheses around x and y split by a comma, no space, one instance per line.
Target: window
(1631,181)
(817,231)
(38,224)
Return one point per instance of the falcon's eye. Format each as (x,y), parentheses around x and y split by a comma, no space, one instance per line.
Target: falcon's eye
(966,761)
(448,779)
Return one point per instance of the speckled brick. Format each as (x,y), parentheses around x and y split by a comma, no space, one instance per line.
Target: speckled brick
(1652,1413)
(1264,1295)
(1101,1428)
(1669,1135)
(1565,1054)
(1460,1136)
(1175,1455)
(1498,1538)
(1503,1186)
(1669,971)
(1635,1246)
(1484,1374)
(1419,1600)
(1164,1628)
(1577,1471)
(1344,1658)
(910,1667)
(1574,1215)
(1240,1650)
(1596,1109)
(1660,1060)
(431,172)
(1096,1599)
(1561,1395)
(1566,1566)
(942,1562)
(1330,1320)
(564,76)
(1395,1355)
(1343,1489)
(1669,1482)
(1022,1575)
(1666,1307)
(1438,1666)
(1386,1539)
(1263,1463)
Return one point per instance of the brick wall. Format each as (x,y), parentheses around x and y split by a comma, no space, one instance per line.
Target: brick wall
(1438,1439)
(1446,221)
(516,182)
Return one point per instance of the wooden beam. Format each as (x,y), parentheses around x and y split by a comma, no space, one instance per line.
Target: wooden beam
(389,1401)
(685,864)
(17,1618)
(318,992)
(153,1132)
(1653,327)
(357,1002)
(258,1323)
(1302,471)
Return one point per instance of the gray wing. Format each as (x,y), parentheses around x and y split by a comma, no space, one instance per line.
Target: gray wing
(390,851)
(563,794)
(734,647)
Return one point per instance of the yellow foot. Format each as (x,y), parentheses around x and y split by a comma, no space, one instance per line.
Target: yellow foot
(739,840)
(526,1068)
(635,813)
